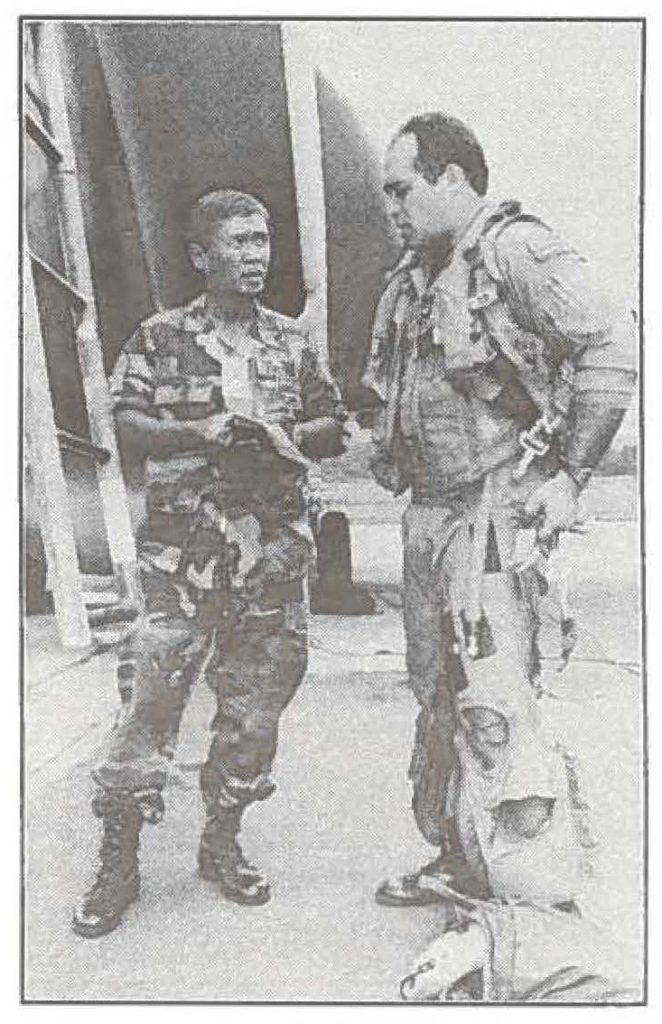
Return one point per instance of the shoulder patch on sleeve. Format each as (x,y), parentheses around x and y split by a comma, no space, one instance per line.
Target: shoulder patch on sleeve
(506,243)
(536,241)
(555,246)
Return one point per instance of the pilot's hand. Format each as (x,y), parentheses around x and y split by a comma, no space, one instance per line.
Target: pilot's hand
(555,503)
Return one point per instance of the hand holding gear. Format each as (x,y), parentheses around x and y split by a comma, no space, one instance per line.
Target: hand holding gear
(216,430)
(555,503)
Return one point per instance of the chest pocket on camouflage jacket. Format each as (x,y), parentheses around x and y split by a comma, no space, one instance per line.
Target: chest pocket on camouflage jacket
(188,382)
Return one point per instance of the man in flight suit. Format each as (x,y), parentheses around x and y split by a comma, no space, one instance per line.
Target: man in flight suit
(225,401)
(503,373)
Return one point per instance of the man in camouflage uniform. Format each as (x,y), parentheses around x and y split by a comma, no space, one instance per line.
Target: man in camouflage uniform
(503,374)
(220,398)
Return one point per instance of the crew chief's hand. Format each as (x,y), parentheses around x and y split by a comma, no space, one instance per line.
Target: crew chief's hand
(218,431)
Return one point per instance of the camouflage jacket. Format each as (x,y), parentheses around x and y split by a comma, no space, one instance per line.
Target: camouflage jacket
(173,366)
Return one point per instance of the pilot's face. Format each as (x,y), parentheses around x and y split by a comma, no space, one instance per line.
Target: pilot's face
(420,211)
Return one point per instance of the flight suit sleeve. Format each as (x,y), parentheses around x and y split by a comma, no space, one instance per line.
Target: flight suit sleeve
(555,293)
(132,380)
(382,376)
(376,375)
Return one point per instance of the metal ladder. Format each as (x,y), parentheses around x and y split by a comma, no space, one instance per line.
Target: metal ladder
(78,609)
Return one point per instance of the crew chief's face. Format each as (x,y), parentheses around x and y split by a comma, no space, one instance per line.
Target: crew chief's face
(237,260)
(419,210)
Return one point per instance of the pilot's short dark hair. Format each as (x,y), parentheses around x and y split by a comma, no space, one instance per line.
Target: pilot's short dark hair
(444,140)
(213,208)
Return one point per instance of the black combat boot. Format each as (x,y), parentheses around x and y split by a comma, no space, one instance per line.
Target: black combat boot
(221,859)
(117,883)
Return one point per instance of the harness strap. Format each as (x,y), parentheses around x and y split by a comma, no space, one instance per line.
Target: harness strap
(493,319)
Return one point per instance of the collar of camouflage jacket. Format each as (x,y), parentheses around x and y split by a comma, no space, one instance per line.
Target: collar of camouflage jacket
(263,328)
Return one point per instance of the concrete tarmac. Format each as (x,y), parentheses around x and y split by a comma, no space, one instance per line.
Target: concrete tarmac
(338,823)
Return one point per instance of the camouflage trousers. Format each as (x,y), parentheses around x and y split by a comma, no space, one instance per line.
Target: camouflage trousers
(254,671)
(469,614)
